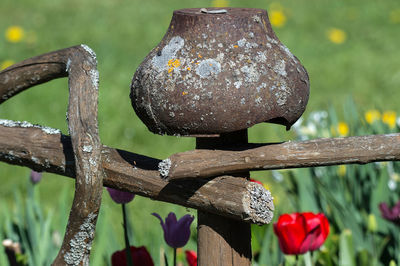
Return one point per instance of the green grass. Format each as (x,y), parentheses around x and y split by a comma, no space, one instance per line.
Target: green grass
(365,67)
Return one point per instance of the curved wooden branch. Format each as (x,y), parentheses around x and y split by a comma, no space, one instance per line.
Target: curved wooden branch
(80,65)
(45,149)
(318,152)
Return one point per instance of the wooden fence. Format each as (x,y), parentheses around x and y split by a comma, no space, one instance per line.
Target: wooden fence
(206,178)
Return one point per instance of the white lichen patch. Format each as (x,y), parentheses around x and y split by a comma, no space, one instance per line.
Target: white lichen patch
(258,100)
(280,68)
(281,94)
(256,19)
(87,148)
(92,162)
(68,66)
(248,45)
(93,73)
(250,73)
(208,68)
(94,77)
(261,57)
(35,160)
(90,51)
(160,61)
(242,42)
(258,204)
(25,124)
(81,243)
(263,85)
(163,167)
(237,84)
(287,51)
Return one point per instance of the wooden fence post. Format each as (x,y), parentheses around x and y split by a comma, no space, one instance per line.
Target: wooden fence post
(223,241)
(216,73)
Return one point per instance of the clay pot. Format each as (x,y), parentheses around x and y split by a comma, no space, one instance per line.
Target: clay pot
(218,72)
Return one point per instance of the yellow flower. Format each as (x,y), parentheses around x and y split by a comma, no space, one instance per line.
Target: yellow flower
(220,3)
(6,64)
(389,118)
(337,36)
(14,34)
(343,129)
(372,224)
(371,116)
(277,18)
(395,177)
(342,169)
(394,16)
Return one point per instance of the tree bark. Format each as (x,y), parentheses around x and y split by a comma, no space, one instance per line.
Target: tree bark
(46,149)
(79,63)
(202,163)
(223,241)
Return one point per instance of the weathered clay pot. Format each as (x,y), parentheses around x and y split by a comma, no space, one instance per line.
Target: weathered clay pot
(215,73)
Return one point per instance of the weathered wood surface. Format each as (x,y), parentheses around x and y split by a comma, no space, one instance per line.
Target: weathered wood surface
(319,152)
(79,63)
(220,240)
(45,149)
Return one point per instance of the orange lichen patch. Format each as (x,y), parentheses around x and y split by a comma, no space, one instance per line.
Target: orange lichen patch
(200,56)
(188,68)
(173,63)
(184,93)
(210,64)
(236,46)
(197,63)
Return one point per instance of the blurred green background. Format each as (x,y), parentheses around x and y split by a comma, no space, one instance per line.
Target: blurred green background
(349,48)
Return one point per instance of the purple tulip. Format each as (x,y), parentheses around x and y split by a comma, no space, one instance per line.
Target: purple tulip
(390,214)
(176,233)
(35,177)
(120,196)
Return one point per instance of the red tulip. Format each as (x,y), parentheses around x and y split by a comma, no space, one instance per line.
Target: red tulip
(140,256)
(191,257)
(256,181)
(301,232)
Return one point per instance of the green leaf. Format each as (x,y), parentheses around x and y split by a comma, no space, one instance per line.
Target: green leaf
(306,190)
(346,249)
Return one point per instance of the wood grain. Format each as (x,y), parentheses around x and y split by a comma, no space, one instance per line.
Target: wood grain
(220,240)
(319,152)
(225,195)
(79,63)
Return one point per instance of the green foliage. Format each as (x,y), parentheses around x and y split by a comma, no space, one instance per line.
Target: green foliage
(348,195)
(122,32)
(28,226)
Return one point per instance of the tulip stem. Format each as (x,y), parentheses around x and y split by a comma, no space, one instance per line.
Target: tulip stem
(174,256)
(307,259)
(127,245)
